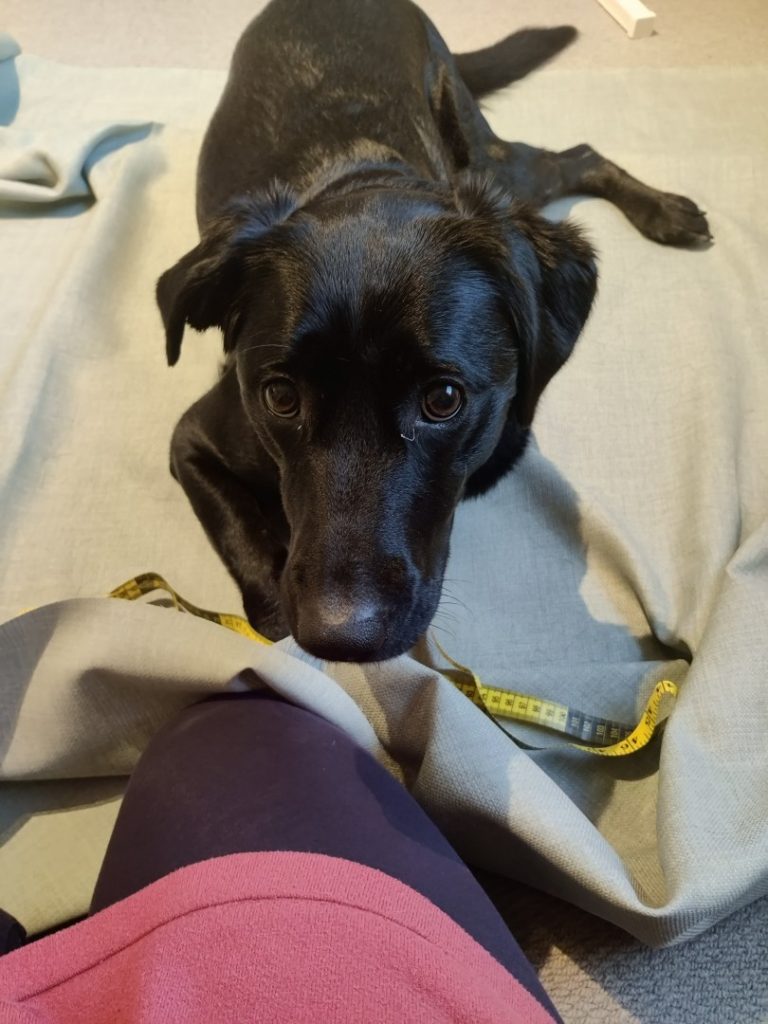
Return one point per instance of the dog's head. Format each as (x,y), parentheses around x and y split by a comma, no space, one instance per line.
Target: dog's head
(390,346)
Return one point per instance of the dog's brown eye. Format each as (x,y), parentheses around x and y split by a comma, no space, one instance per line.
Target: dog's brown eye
(441,401)
(281,397)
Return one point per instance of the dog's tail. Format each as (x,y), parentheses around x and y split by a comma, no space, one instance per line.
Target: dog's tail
(512,58)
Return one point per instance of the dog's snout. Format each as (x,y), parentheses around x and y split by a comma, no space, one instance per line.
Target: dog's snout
(340,630)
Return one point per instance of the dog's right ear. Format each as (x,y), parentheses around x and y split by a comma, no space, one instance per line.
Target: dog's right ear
(201,289)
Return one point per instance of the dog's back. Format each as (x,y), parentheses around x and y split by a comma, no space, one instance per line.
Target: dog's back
(308,83)
(355,79)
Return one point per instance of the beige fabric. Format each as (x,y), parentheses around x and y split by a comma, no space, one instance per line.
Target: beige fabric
(630,544)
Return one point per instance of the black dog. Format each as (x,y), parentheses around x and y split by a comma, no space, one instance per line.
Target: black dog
(392,307)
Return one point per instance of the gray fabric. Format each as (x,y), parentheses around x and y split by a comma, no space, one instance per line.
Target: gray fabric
(630,545)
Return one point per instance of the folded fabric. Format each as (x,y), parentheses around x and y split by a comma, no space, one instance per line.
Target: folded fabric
(48,162)
(48,167)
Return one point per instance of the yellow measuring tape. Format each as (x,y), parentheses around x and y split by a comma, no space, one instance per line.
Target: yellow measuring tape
(611,739)
(149,582)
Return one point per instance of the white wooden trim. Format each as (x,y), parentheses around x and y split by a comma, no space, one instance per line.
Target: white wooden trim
(633,16)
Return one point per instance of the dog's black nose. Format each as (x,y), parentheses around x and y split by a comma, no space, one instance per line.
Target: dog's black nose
(340,631)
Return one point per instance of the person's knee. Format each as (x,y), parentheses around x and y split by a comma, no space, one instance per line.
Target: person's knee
(243,727)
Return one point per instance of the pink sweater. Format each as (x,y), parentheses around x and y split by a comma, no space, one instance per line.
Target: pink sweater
(264,937)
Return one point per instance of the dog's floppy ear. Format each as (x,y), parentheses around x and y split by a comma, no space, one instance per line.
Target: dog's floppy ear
(548,275)
(564,285)
(201,289)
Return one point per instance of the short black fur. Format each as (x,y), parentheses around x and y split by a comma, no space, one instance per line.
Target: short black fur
(372,253)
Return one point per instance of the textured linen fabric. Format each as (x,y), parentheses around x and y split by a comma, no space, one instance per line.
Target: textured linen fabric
(629,545)
(265,937)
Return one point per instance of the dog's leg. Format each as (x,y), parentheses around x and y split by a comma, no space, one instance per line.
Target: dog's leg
(243,518)
(539,176)
(229,514)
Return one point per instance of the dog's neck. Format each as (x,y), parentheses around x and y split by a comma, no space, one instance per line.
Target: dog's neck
(377,167)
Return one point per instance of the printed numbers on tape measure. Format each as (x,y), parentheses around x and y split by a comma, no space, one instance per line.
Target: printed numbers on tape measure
(621,739)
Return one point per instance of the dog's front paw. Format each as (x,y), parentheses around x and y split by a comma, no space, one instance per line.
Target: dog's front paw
(670,219)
